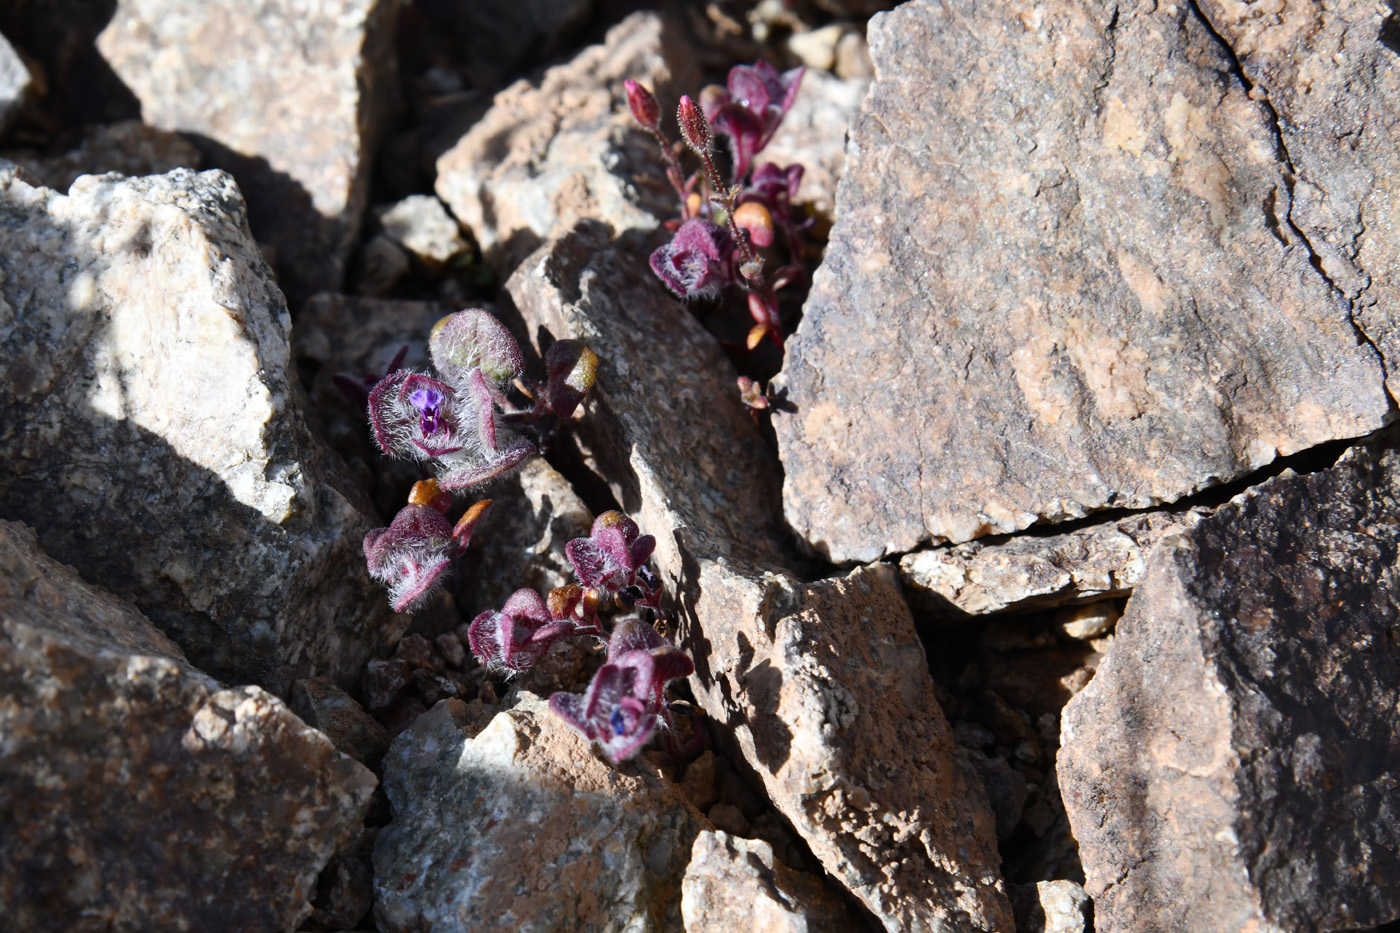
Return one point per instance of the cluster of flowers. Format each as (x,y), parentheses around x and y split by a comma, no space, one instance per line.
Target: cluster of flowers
(721,224)
(626,701)
(459,422)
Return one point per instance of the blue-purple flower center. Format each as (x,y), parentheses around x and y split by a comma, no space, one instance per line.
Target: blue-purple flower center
(429,404)
(618,722)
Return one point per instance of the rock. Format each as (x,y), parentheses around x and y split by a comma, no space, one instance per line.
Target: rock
(511,823)
(290,97)
(500,36)
(1090,621)
(1029,572)
(728,818)
(135,792)
(994,341)
(520,542)
(565,148)
(816,48)
(153,435)
(382,265)
(698,785)
(813,134)
(1050,907)
(421,225)
(128,148)
(324,706)
(874,786)
(14,83)
(1233,762)
(1331,79)
(1006,790)
(853,57)
(737,884)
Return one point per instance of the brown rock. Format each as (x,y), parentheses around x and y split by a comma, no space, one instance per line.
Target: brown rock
(564,148)
(1232,765)
(855,753)
(996,339)
(290,97)
(1028,572)
(1331,78)
(324,706)
(511,823)
(128,148)
(734,884)
(153,435)
(135,793)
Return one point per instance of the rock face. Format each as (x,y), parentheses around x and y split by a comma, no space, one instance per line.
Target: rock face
(549,154)
(736,884)
(286,95)
(1034,572)
(135,793)
(509,822)
(154,439)
(1233,763)
(1332,77)
(1040,350)
(129,148)
(825,686)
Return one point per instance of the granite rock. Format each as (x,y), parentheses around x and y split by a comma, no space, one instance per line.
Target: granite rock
(824,686)
(135,792)
(1028,572)
(129,147)
(813,134)
(510,822)
(736,884)
(14,83)
(421,225)
(288,95)
(1331,77)
(995,339)
(1234,762)
(325,707)
(1050,907)
(153,433)
(565,148)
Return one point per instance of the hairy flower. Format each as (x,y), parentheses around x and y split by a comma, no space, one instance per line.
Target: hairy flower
(411,555)
(696,263)
(750,109)
(523,631)
(613,555)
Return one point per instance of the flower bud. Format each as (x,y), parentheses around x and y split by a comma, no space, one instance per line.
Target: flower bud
(757,221)
(694,127)
(426,492)
(645,109)
(756,334)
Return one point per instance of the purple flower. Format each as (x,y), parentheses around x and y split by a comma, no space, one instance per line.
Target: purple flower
(522,632)
(696,263)
(411,555)
(428,402)
(406,412)
(612,555)
(751,108)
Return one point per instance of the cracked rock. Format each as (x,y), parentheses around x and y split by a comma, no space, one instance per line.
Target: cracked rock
(1029,572)
(824,685)
(289,96)
(1060,281)
(153,435)
(135,792)
(510,822)
(550,153)
(1234,762)
(736,884)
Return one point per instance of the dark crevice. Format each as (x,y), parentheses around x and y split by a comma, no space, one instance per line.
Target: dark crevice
(1290,177)
(1110,34)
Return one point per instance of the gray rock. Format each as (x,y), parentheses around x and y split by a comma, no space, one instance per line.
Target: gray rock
(1050,907)
(510,822)
(814,134)
(325,707)
(1233,763)
(564,148)
(128,148)
(734,884)
(421,225)
(1331,77)
(996,340)
(289,96)
(14,83)
(135,792)
(1030,572)
(153,435)
(825,686)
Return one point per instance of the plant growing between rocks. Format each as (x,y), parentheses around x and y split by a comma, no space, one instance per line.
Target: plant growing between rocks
(459,421)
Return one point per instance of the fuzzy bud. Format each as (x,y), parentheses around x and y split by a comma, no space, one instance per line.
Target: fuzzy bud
(694,127)
(427,492)
(645,109)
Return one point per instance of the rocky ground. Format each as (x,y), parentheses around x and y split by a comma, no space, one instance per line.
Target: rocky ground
(1056,588)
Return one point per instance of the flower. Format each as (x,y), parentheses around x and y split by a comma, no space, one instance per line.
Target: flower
(750,109)
(696,263)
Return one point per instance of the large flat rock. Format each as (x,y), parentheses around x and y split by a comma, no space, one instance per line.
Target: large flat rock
(135,792)
(1233,763)
(289,96)
(824,686)
(1063,279)
(153,434)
